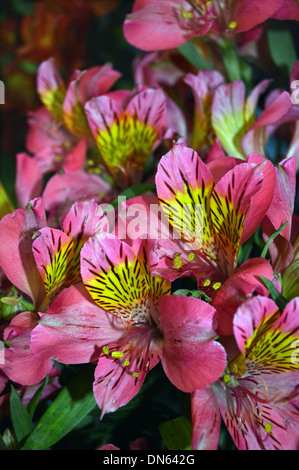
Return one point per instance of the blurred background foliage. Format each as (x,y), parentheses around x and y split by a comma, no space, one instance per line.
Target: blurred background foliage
(78,33)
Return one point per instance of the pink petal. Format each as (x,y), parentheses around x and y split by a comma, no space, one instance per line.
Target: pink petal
(20,364)
(249,13)
(239,287)
(74,329)
(96,81)
(205,419)
(29,179)
(62,190)
(16,260)
(191,358)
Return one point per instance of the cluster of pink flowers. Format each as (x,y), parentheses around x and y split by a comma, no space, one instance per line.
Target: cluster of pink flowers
(89,282)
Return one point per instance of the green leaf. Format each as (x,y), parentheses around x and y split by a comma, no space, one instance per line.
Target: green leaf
(72,404)
(281,45)
(280,301)
(2,444)
(193,293)
(176,433)
(19,416)
(271,238)
(133,191)
(192,54)
(31,406)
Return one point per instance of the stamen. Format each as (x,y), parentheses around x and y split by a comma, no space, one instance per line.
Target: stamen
(268,427)
(191,256)
(216,285)
(105,350)
(177,261)
(117,354)
(206,283)
(232,25)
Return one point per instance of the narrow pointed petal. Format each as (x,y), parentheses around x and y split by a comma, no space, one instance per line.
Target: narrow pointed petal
(230,201)
(205,419)
(50,87)
(53,252)
(191,358)
(228,117)
(262,199)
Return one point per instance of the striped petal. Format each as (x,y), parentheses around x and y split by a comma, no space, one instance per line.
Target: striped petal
(125,138)
(266,338)
(230,201)
(119,280)
(53,251)
(50,87)
(184,186)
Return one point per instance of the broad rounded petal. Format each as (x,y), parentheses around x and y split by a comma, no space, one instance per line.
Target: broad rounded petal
(96,81)
(191,358)
(146,27)
(29,179)
(244,283)
(206,420)
(21,366)
(74,329)
(62,190)
(249,13)
(288,10)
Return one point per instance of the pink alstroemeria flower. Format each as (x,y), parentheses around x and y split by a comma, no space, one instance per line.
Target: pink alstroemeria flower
(40,261)
(168,24)
(59,135)
(257,397)
(210,220)
(127,132)
(126,324)
(234,117)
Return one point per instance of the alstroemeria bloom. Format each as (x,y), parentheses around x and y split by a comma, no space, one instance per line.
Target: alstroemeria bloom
(57,252)
(210,220)
(257,397)
(167,24)
(40,261)
(127,324)
(234,119)
(126,133)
